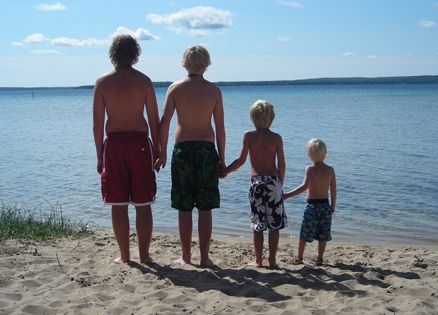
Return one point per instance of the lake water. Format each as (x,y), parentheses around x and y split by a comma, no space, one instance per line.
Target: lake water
(382,141)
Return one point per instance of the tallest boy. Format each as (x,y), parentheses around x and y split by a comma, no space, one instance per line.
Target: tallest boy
(126,159)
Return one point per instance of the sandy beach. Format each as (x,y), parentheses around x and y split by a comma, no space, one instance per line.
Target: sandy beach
(69,276)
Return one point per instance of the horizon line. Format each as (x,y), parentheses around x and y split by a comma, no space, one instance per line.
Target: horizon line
(425,78)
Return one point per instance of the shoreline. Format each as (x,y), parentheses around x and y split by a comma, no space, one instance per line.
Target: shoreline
(76,276)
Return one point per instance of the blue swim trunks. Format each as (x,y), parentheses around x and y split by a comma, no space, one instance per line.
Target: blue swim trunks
(266,200)
(317,221)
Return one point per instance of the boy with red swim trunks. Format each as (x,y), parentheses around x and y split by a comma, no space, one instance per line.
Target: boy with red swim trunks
(126,159)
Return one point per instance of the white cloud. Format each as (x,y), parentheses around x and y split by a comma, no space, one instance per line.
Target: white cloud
(196,18)
(18,44)
(372,56)
(349,54)
(284,39)
(51,7)
(290,4)
(427,23)
(139,34)
(46,52)
(73,42)
(435,4)
(35,38)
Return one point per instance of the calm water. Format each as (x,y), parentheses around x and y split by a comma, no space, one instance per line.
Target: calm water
(382,141)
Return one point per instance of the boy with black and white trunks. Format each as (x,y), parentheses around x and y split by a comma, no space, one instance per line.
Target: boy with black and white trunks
(268,167)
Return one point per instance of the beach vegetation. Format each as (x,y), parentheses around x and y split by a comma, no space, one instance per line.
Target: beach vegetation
(38,224)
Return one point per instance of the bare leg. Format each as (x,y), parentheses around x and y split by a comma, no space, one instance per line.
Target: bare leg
(204,231)
(185,236)
(144,225)
(274,237)
(301,247)
(321,249)
(121,231)
(258,248)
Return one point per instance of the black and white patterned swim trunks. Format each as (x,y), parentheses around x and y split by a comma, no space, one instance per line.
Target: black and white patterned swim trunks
(266,200)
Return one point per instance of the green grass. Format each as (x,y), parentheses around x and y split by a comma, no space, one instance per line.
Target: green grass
(38,225)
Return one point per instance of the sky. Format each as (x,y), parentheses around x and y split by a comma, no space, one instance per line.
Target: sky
(65,43)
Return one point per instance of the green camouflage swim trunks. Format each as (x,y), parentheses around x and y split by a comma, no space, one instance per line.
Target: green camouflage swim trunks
(195,176)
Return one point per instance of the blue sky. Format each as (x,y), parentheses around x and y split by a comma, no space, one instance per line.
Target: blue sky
(65,43)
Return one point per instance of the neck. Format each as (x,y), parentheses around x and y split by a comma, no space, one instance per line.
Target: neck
(123,68)
(191,75)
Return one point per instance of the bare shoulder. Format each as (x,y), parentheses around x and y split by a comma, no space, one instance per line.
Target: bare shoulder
(175,86)
(142,76)
(276,137)
(248,134)
(103,78)
(330,169)
(212,87)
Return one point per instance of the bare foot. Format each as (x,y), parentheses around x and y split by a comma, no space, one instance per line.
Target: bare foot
(255,264)
(119,261)
(182,262)
(318,261)
(297,261)
(207,263)
(273,265)
(147,260)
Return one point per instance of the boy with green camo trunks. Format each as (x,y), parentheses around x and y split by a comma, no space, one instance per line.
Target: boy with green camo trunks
(319,178)
(265,148)
(195,161)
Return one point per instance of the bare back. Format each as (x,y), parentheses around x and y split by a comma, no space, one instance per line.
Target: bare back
(124,93)
(264,148)
(319,176)
(195,100)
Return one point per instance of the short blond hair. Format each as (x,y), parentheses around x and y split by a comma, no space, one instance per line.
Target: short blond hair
(262,114)
(316,150)
(196,58)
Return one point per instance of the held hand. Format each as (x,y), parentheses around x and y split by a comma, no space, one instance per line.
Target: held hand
(99,166)
(160,162)
(222,170)
(222,173)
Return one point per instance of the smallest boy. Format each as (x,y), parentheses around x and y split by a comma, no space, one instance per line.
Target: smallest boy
(266,192)
(318,179)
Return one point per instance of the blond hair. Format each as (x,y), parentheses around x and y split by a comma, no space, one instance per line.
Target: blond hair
(316,150)
(196,58)
(262,114)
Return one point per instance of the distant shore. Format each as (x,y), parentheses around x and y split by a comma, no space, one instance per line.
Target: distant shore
(420,79)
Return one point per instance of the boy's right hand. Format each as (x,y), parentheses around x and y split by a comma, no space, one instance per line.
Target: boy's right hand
(99,166)
(223,172)
(160,162)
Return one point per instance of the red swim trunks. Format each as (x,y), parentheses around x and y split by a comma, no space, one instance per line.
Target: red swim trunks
(128,174)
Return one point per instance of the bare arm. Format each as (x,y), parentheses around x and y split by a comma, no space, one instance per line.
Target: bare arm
(153,119)
(241,159)
(333,192)
(300,189)
(169,109)
(218,116)
(98,125)
(281,161)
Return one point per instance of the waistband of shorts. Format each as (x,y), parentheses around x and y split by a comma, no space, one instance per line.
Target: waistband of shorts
(127,135)
(315,201)
(263,177)
(194,143)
